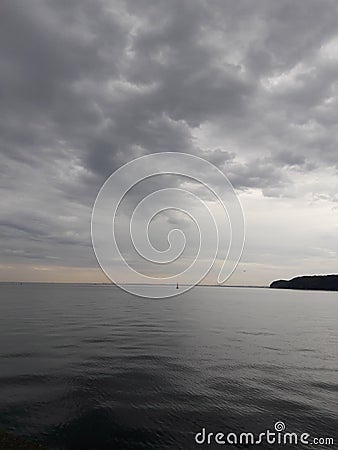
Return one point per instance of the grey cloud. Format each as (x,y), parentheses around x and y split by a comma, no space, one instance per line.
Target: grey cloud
(88,85)
(257,173)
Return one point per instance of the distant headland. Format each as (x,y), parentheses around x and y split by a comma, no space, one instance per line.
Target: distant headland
(309,282)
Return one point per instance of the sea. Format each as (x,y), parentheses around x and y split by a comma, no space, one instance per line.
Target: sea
(91,367)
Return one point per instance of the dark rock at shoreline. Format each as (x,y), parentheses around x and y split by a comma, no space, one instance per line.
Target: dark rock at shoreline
(9,441)
(314,282)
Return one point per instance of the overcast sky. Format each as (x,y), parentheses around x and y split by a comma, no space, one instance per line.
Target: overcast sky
(88,85)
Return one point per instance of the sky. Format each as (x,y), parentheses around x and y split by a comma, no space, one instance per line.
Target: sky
(88,85)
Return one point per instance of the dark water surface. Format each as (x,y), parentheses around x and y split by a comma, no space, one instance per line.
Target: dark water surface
(91,367)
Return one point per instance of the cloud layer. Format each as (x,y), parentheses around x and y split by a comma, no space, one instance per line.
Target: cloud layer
(88,85)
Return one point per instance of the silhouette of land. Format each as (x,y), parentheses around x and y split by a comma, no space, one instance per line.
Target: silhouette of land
(310,282)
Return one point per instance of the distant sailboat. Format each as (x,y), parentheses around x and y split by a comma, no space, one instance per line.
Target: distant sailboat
(177,286)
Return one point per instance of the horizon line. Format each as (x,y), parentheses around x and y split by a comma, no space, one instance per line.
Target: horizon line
(132,284)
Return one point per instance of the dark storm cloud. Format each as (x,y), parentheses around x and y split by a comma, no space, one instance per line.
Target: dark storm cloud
(88,85)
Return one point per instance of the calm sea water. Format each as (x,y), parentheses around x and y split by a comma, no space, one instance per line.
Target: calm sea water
(91,367)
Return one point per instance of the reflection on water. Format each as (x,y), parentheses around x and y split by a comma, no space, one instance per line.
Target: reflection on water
(91,367)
